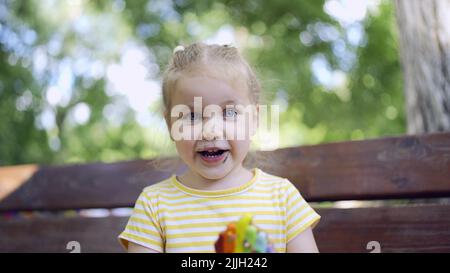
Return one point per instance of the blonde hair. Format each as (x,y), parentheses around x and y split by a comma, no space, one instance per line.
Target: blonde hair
(223,61)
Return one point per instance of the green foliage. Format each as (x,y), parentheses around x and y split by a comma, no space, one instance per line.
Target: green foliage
(283,40)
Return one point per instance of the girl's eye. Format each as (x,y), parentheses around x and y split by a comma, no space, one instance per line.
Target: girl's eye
(230,113)
(192,117)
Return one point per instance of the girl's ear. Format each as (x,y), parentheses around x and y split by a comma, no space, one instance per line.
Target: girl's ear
(168,123)
(166,119)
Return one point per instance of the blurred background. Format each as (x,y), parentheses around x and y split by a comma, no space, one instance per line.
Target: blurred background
(80,80)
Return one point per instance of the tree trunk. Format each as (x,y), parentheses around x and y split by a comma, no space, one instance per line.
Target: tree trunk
(424,31)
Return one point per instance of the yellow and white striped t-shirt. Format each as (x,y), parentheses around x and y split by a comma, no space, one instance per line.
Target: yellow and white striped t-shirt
(170,217)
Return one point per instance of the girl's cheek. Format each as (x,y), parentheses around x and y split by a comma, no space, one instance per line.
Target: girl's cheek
(235,130)
(229,132)
(185,147)
(239,148)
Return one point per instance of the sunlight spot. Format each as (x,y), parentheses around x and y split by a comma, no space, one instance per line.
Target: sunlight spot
(53,95)
(306,38)
(225,35)
(131,78)
(391,112)
(25,101)
(350,11)
(81,113)
(46,120)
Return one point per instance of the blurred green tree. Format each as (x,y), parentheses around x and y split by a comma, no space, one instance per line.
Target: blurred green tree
(333,70)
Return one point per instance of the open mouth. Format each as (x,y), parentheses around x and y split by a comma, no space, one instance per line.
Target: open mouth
(213,155)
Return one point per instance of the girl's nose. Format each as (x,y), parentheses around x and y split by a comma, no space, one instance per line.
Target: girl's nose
(212,129)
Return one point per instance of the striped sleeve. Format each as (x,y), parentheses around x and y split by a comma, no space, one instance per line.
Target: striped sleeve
(299,214)
(143,227)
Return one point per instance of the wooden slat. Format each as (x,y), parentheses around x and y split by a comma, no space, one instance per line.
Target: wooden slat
(54,233)
(398,229)
(95,185)
(424,228)
(395,167)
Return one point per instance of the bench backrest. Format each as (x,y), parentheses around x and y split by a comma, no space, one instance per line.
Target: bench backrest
(406,167)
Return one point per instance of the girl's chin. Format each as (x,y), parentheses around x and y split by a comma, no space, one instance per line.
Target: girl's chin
(213,172)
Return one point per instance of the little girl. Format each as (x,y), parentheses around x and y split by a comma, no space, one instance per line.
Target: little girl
(186,213)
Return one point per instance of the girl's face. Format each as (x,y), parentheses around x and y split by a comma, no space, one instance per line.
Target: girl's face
(215,147)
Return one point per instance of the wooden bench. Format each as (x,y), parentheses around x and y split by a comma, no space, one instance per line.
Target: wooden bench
(406,168)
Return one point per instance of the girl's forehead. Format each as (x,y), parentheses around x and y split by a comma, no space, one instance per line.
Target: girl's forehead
(212,90)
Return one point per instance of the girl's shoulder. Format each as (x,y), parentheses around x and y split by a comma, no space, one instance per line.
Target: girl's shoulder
(274,180)
(159,187)
(279,183)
